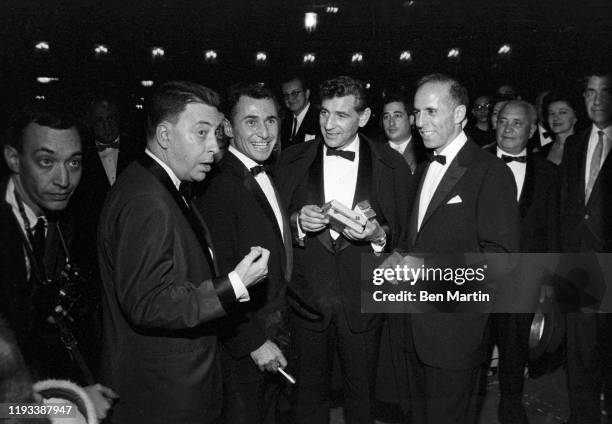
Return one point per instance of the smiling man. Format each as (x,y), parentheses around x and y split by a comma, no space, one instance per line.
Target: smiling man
(158,269)
(324,293)
(466,204)
(242,208)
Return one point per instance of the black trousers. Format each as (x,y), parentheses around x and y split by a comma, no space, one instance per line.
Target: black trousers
(358,353)
(250,396)
(443,396)
(511,334)
(589,365)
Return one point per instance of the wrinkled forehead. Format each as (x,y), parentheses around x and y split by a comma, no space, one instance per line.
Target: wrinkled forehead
(39,137)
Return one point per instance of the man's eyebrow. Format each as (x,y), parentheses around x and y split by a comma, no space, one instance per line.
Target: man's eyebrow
(44,150)
(203,123)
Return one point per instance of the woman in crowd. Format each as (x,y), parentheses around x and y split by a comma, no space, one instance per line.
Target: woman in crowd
(561,112)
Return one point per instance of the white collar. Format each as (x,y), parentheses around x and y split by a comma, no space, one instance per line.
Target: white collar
(353,146)
(500,152)
(246,161)
(12,201)
(452,148)
(169,171)
(607,131)
(300,116)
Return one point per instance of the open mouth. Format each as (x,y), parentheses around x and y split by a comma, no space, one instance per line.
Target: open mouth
(260,145)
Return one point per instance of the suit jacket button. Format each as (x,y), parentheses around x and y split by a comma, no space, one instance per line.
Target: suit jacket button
(586,216)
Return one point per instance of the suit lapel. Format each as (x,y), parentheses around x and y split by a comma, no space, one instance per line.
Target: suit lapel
(452,175)
(414,216)
(315,193)
(528,186)
(195,220)
(606,168)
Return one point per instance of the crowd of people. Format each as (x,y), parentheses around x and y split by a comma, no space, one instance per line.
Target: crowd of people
(196,277)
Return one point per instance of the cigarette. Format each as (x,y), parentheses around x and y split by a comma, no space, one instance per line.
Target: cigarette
(287,376)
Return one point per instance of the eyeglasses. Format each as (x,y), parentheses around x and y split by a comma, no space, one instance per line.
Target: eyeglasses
(482,107)
(292,94)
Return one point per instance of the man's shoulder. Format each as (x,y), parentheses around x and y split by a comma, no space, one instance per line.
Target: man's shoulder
(299,151)
(543,166)
(384,153)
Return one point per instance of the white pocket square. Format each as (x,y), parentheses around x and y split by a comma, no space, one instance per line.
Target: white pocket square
(454,200)
(308,137)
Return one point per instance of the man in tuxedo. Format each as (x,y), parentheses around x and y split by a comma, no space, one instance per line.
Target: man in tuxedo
(105,157)
(537,182)
(241,205)
(397,123)
(43,152)
(161,289)
(324,293)
(466,203)
(302,124)
(586,207)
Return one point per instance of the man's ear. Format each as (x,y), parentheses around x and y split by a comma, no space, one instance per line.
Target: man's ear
(307,94)
(11,156)
(227,128)
(364,117)
(533,129)
(460,112)
(162,134)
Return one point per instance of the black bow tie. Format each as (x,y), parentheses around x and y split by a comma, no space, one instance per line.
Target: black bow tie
(436,158)
(258,169)
(103,146)
(507,158)
(342,153)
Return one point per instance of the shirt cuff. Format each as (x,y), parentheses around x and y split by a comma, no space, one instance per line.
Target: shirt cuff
(378,248)
(241,292)
(301,234)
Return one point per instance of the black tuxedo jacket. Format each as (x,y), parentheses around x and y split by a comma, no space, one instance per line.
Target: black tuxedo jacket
(584,227)
(87,202)
(539,205)
(159,300)
(239,217)
(310,126)
(485,220)
(326,275)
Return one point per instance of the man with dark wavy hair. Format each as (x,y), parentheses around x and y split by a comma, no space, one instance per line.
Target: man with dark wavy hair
(324,293)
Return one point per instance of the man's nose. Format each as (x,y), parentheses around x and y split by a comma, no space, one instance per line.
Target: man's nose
(62,176)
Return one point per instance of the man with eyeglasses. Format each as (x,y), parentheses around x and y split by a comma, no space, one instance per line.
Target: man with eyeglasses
(302,124)
(480,130)
(586,200)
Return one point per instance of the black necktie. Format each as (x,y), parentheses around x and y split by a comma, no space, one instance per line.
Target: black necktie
(295,125)
(185,190)
(342,153)
(257,169)
(507,158)
(102,146)
(547,134)
(38,240)
(436,158)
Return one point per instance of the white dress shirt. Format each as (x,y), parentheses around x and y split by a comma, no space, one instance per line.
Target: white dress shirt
(241,292)
(32,218)
(435,172)
(593,139)
(109,158)
(400,147)
(518,170)
(264,183)
(340,177)
(543,140)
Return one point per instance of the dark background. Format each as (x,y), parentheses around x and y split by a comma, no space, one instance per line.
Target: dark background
(550,40)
